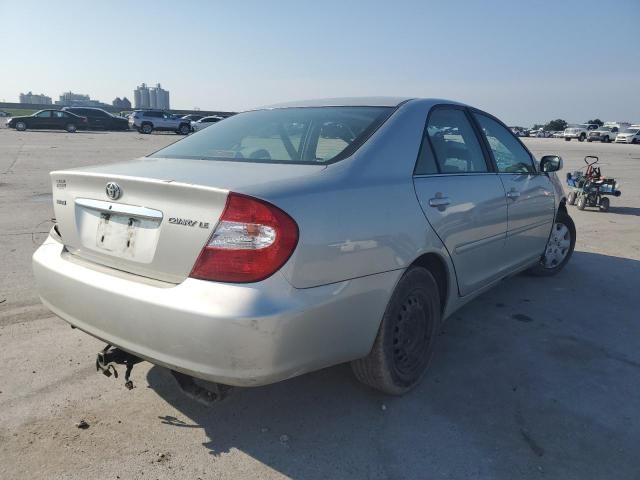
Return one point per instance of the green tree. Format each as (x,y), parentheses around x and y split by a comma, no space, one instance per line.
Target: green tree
(555,125)
(596,121)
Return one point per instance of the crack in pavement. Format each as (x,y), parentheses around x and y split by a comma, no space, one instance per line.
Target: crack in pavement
(15,160)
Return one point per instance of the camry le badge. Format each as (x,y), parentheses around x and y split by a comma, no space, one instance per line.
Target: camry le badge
(188,222)
(113,190)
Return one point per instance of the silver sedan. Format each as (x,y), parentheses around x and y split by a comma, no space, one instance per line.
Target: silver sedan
(291,238)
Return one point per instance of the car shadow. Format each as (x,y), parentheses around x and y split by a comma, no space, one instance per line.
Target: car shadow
(81,132)
(625,211)
(535,378)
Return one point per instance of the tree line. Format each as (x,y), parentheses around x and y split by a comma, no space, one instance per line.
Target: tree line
(560,124)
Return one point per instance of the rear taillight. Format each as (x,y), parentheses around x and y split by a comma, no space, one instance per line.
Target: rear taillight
(252,240)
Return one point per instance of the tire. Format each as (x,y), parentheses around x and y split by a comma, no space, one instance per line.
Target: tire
(559,249)
(567,139)
(21,126)
(571,198)
(146,128)
(582,137)
(404,344)
(581,202)
(184,129)
(604,204)
(71,128)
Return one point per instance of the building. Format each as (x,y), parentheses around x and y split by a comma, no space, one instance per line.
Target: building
(122,103)
(34,99)
(151,97)
(71,99)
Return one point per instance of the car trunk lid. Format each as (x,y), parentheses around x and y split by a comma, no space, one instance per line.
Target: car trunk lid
(152,217)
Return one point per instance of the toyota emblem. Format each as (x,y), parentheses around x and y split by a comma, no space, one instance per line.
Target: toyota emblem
(113,190)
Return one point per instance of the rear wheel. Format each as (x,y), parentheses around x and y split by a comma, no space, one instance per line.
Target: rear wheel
(604,204)
(559,246)
(582,137)
(21,126)
(571,198)
(71,128)
(184,129)
(404,344)
(146,128)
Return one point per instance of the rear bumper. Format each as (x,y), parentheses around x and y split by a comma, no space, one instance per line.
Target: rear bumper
(244,335)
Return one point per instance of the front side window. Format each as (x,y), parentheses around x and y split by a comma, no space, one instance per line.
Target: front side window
(300,135)
(45,114)
(509,154)
(455,146)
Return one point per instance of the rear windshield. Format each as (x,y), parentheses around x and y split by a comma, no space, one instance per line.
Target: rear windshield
(290,135)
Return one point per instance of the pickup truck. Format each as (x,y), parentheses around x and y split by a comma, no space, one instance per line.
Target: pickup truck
(603,134)
(579,132)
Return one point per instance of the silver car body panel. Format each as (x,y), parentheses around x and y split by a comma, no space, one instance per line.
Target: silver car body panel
(362,221)
(236,334)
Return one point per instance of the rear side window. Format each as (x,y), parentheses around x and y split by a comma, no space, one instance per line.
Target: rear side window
(296,135)
(508,152)
(451,141)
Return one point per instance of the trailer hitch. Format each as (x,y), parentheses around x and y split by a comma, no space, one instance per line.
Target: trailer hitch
(110,356)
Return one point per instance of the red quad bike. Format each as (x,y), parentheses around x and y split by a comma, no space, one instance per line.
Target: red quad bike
(590,188)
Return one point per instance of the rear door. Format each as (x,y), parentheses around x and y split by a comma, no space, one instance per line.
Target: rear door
(530,198)
(60,119)
(462,197)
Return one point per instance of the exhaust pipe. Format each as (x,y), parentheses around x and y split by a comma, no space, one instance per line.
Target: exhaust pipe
(199,393)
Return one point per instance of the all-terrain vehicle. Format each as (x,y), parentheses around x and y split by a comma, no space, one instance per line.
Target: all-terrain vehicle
(590,188)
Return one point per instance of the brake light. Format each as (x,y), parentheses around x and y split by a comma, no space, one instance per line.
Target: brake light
(252,240)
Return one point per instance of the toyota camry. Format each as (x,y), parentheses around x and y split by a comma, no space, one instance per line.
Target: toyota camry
(288,239)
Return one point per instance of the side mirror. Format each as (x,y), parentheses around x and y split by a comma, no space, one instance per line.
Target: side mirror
(551,163)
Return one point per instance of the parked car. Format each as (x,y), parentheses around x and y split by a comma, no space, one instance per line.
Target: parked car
(258,256)
(4,114)
(204,123)
(192,117)
(629,135)
(146,121)
(603,134)
(49,119)
(541,133)
(99,119)
(558,134)
(579,132)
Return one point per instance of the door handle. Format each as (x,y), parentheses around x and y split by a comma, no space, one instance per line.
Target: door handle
(513,193)
(439,202)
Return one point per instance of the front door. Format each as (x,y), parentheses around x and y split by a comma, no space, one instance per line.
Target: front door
(462,198)
(42,119)
(530,198)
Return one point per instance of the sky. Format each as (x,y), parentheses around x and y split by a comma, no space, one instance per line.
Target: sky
(525,62)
